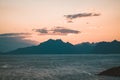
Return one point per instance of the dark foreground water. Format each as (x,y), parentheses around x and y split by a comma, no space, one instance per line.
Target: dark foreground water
(57,67)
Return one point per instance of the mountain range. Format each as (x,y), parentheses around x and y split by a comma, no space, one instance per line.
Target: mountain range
(59,47)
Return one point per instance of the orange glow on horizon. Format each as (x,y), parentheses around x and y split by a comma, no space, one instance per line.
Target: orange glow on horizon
(25,15)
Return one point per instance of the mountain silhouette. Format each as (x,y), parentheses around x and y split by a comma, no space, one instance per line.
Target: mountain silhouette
(11,43)
(48,47)
(107,47)
(85,47)
(59,47)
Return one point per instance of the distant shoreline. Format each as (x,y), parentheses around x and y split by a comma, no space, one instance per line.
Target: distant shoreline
(90,54)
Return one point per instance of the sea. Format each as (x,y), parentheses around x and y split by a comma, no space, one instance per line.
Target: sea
(57,66)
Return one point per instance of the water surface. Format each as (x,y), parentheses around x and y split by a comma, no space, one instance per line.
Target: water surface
(57,67)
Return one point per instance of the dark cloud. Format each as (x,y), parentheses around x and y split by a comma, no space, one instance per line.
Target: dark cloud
(57,31)
(41,30)
(96,14)
(65,30)
(70,21)
(79,15)
(14,34)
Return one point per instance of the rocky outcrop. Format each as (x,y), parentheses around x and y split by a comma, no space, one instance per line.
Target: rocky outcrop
(115,71)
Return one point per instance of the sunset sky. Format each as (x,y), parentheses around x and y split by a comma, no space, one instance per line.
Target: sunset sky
(72,21)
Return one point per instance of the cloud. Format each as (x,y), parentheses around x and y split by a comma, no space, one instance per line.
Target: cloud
(41,30)
(65,30)
(14,34)
(56,31)
(70,21)
(79,15)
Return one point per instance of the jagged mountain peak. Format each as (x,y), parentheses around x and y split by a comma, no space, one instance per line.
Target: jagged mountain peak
(53,41)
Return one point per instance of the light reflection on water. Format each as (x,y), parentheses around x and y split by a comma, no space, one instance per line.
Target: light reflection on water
(57,67)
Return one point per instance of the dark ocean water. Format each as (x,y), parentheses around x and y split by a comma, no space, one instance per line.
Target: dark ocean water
(57,67)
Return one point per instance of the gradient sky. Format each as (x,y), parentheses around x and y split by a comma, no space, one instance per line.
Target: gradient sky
(36,16)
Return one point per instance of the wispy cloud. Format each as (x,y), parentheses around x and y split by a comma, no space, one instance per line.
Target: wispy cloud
(14,34)
(65,30)
(80,15)
(43,30)
(56,31)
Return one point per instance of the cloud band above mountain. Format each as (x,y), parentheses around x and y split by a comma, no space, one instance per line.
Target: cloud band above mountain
(56,31)
(65,30)
(80,15)
(14,34)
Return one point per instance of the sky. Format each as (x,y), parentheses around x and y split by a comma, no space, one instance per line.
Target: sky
(73,21)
